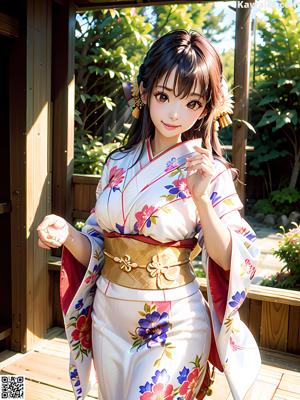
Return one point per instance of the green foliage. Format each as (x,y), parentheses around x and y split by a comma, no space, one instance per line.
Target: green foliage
(276,96)
(264,206)
(91,154)
(110,46)
(279,202)
(285,200)
(188,16)
(289,252)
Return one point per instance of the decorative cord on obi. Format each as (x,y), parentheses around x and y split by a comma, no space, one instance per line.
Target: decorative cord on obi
(154,268)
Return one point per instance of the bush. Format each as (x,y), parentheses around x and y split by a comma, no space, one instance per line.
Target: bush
(289,252)
(282,201)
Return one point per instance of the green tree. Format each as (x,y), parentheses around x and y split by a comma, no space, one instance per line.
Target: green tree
(110,46)
(275,97)
(202,17)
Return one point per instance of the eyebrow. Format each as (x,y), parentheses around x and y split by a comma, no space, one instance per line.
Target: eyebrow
(171,90)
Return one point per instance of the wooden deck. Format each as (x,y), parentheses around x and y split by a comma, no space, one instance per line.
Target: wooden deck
(46,372)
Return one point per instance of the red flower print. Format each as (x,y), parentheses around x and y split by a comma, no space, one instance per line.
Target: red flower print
(233,345)
(250,268)
(91,278)
(162,306)
(182,186)
(116,176)
(187,389)
(160,391)
(82,332)
(142,216)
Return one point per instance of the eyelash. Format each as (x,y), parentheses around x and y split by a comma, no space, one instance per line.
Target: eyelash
(159,95)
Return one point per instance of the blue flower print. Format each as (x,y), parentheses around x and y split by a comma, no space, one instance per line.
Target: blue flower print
(160,376)
(214,197)
(120,228)
(79,304)
(146,388)
(171,164)
(250,236)
(153,328)
(237,299)
(183,375)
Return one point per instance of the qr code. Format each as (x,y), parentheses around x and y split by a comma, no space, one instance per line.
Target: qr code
(12,387)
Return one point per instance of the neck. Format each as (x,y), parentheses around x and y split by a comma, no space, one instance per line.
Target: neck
(158,145)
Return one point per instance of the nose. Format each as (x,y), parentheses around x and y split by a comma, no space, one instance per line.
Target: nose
(173,114)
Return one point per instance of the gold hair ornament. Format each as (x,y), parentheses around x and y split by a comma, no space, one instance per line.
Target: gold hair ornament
(135,102)
(222,111)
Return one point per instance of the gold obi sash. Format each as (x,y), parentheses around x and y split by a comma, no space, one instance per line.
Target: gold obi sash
(139,265)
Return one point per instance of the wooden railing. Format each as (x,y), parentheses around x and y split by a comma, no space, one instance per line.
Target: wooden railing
(273,315)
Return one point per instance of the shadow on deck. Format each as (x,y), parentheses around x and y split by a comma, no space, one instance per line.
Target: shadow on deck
(46,372)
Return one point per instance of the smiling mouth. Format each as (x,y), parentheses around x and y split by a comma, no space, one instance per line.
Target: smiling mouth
(170,126)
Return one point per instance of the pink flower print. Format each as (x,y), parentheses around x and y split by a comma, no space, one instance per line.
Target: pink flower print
(143,216)
(181,185)
(233,345)
(171,164)
(116,176)
(159,391)
(162,306)
(250,268)
(188,387)
(91,278)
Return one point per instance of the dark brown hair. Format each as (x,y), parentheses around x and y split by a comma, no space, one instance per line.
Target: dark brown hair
(195,60)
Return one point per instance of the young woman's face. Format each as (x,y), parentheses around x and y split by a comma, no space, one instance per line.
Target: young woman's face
(173,115)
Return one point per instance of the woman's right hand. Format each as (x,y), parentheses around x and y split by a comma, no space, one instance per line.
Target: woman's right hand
(53,231)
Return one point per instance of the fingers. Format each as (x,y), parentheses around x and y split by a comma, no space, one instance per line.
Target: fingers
(52,232)
(43,246)
(200,164)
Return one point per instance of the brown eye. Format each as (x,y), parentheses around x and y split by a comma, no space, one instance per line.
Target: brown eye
(162,97)
(194,105)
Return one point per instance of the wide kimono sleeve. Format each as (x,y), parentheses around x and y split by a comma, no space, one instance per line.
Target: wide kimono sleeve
(77,291)
(236,347)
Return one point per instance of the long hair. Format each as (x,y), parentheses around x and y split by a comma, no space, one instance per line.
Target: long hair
(195,60)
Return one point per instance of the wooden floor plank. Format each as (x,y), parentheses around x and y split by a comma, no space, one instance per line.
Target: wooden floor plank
(41,367)
(220,388)
(47,378)
(38,391)
(285,395)
(290,383)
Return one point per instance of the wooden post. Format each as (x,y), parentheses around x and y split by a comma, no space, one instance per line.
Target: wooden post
(38,163)
(17,107)
(241,93)
(63,93)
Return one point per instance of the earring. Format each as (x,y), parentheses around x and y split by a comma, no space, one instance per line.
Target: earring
(132,95)
(222,111)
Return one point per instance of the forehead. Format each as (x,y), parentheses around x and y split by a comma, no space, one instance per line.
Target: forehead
(169,82)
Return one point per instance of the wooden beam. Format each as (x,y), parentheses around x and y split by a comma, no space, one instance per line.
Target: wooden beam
(17,107)
(63,92)
(9,26)
(241,94)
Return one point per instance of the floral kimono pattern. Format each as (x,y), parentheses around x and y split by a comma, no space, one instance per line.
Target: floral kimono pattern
(152,200)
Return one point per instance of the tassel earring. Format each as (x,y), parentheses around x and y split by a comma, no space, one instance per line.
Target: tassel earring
(132,95)
(222,111)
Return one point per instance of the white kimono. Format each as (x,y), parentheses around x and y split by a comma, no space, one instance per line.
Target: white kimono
(152,200)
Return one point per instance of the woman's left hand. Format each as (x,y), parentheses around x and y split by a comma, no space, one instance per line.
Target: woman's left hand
(200,169)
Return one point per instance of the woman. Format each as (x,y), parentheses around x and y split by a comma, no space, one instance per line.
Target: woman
(142,320)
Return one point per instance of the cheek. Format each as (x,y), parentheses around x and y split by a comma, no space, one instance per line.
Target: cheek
(155,109)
